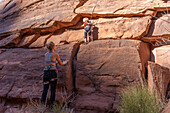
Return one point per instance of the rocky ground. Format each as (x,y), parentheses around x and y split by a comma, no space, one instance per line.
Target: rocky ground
(130,44)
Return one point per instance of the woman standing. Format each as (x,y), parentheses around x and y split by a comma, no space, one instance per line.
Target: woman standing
(50,73)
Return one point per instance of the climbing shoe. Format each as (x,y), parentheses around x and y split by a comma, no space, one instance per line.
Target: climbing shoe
(85,43)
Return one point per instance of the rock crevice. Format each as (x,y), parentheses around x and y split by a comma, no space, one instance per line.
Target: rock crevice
(56,28)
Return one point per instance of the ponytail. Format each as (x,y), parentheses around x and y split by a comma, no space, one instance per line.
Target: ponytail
(50,46)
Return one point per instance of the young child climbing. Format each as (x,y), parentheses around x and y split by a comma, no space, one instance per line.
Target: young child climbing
(50,73)
(87,29)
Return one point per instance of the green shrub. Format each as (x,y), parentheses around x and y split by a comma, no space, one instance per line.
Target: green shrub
(139,100)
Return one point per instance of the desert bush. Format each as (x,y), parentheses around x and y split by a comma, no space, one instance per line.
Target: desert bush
(139,100)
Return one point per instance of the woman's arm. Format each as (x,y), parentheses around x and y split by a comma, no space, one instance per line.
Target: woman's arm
(59,60)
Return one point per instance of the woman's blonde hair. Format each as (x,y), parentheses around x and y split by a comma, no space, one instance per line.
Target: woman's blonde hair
(50,46)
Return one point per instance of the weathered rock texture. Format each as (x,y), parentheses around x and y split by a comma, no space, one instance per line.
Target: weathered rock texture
(24,23)
(161,25)
(36,17)
(158,79)
(104,68)
(161,55)
(121,28)
(120,7)
(21,72)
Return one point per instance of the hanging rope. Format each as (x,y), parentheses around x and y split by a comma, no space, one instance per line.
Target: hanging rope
(93,9)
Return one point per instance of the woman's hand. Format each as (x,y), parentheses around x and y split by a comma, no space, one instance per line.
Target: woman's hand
(65,62)
(59,60)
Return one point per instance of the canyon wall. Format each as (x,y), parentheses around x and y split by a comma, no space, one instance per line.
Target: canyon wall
(128,34)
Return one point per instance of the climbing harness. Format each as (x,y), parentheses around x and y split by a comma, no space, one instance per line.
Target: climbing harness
(47,82)
(49,67)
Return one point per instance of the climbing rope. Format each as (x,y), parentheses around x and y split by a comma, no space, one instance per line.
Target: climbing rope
(93,9)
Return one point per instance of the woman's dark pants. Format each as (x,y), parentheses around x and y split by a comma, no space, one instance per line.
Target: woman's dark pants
(49,78)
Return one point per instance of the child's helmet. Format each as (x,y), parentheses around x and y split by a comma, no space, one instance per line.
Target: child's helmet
(85,19)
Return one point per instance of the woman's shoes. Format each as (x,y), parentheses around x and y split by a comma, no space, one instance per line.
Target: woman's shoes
(85,43)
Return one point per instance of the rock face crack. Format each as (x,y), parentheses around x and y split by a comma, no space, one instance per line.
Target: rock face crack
(81,3)
(9,6)
(121,8)
(102,65)
(10,89)
(74,24)
(1,67)
(34,3)
(13,4)
(73,63)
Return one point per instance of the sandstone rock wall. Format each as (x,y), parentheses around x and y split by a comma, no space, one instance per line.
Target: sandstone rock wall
(117,58)
(101,68)
(158,79)
(104,68)
(24,23)
(21,72)
(161,56)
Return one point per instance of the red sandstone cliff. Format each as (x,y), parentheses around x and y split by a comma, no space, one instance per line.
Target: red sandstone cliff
(126,32)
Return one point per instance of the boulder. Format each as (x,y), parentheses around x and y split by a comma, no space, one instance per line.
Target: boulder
(96,61)
(161,56)
(160,26)
(104,68)
(158,79)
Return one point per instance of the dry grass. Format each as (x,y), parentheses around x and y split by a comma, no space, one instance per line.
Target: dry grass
(37,107)
(139,100)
